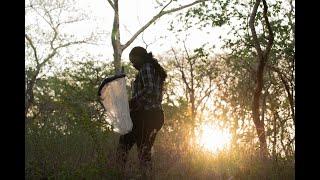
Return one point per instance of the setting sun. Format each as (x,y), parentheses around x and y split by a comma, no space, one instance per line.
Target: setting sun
(212,138)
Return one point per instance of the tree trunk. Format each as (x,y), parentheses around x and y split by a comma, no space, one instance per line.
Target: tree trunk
(290,97)
(29,99)
(115,39)
(275,131)
(193,108)
(262,59)
(117,60)
(29,92)
(284,148)
(259,123)
(288,88)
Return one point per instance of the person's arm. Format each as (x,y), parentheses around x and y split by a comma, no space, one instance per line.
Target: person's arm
(147,75)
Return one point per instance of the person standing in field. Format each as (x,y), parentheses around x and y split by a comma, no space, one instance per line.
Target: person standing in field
(145,108)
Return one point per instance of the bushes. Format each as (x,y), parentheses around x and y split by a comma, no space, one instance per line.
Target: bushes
(66,138)
(51,154)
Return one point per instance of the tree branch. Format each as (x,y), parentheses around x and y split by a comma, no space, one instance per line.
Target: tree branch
(50,23)
(111,4)
(54,36)
(207,93)
(290,19)
(181,71)
(72,21)
(270,35)
(71,43)
(33,48)
(161,13)
(189,58)
(285,81)
(166,6)
(145,42)
(186,50)
(126,28)
(49,16)
(253,30)
(55,50)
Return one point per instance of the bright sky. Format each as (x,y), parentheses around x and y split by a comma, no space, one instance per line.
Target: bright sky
(133,15)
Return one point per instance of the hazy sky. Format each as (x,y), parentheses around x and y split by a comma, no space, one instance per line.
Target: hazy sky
(133,15)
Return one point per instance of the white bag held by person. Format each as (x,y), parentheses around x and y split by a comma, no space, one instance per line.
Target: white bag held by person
(114,97)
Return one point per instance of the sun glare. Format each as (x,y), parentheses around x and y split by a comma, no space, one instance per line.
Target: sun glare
(212,138)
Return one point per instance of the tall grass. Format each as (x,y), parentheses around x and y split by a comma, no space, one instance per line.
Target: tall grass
(52,155)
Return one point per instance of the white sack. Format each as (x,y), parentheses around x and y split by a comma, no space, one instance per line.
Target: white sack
(115,101)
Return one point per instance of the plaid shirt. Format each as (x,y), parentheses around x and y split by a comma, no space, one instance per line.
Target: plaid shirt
(147,88)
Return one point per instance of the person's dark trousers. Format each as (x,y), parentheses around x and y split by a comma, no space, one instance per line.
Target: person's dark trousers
(146,124)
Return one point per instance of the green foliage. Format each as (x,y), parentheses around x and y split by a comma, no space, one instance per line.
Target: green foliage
(67,139)
(66,127)
(236,72)
(213,13)
(66,136)
(206,14)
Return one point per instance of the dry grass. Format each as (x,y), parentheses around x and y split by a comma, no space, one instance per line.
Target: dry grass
(76,157)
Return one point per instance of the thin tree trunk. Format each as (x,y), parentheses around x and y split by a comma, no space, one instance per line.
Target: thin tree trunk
(289,90)
(115,38)
(193,108)
(281,140)
(290,97)
(262,58)
(275,131)
(29,92)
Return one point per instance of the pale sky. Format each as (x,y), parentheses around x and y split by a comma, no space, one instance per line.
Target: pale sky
(133,15)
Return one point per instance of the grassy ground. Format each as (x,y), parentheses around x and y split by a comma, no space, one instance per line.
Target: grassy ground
(77,157)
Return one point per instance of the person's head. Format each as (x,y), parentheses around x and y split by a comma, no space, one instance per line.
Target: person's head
(138,55)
